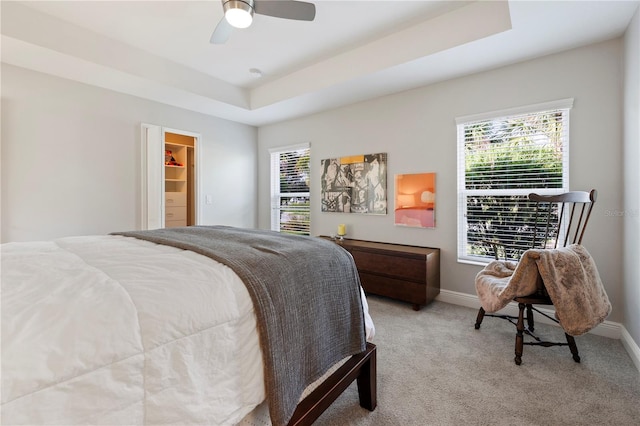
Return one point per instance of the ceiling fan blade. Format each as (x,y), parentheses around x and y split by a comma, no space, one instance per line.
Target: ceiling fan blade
(289,9)
(222,32)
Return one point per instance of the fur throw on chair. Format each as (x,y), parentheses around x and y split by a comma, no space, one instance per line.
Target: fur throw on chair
(570,278)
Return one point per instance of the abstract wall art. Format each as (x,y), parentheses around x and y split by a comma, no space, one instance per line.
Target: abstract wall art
(355,184)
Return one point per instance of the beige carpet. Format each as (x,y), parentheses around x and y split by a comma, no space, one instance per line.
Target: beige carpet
(434,368)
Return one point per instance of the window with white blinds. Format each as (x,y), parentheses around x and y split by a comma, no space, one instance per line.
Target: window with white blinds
(502,157)
(290,200)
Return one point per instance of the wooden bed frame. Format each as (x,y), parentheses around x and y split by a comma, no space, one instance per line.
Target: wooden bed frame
(362,367)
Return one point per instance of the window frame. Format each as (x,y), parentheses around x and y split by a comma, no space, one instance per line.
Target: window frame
(275,193)
(463,192)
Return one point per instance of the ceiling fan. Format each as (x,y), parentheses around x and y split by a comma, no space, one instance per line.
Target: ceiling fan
(239,14)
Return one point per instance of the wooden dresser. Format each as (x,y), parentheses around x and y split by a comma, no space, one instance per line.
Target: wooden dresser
(407,273)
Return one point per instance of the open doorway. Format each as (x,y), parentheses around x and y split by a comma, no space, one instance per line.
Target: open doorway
(179,179)
(170,187)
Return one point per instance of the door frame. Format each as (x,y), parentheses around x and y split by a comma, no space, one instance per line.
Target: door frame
(152,206)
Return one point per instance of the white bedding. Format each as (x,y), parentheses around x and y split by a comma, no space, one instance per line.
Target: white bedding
(114,330)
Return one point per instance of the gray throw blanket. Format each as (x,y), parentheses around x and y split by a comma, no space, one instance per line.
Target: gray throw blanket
(568,274)
(306,296)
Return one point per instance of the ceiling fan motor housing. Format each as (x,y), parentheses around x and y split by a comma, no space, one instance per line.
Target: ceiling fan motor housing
(238,13)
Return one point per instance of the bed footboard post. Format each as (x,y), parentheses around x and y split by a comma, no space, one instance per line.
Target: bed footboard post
(361,368)
(367,384)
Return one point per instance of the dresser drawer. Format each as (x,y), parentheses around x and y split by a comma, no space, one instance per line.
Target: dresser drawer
(177,199)
(403,268)
(175,223)
(175,213)
(397,289)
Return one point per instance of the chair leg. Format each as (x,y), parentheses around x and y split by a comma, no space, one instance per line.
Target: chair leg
(530,317)
(520,334)
(573,347)
(479,318)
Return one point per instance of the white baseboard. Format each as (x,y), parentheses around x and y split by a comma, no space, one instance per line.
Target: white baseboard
(631,346)
(609,329)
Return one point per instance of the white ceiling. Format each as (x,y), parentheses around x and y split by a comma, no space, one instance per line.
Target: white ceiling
(354,50)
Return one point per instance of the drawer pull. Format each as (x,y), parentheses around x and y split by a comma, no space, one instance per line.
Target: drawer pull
(169,214)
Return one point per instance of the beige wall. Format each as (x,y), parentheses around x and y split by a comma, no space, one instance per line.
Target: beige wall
(631,294)
(71,159)
(417,130)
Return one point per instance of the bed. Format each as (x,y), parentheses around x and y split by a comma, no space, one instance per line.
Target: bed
(162,327)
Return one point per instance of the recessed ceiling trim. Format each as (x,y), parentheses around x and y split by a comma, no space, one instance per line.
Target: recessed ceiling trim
(84,43)
(39,29)
(21,54)
(472,22)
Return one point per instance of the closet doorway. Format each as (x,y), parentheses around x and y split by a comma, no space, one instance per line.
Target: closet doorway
(170,190)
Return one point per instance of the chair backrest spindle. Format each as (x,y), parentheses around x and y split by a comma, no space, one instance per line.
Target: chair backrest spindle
(573,213)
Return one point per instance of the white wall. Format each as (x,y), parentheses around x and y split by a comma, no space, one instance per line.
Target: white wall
(632,180)
(417,130)
(71,159)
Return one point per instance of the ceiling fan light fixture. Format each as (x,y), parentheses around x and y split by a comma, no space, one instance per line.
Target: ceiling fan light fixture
(239,13)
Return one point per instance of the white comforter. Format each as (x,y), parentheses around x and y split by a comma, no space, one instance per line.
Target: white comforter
(114,330)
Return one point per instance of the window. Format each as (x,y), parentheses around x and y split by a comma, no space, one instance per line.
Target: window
(290,209)
(502,157)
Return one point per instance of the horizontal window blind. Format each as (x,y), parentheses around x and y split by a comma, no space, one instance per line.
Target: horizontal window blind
(500,161)
(290,196)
